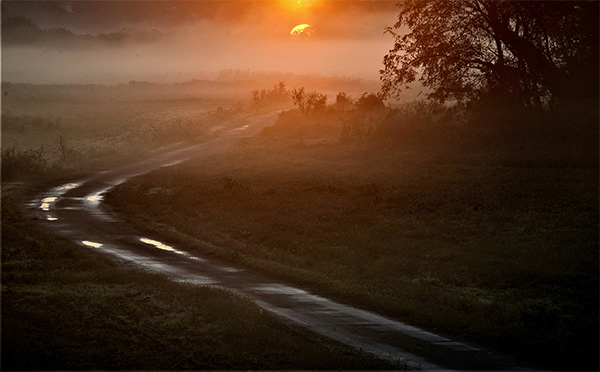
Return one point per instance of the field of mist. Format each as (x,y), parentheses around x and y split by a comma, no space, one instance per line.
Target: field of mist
(49,42)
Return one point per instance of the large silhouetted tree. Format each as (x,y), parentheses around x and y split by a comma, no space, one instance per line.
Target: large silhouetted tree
(534,53)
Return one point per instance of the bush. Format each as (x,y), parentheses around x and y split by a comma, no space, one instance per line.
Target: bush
(316,124)
(23,165)
(369,102)
(276,96)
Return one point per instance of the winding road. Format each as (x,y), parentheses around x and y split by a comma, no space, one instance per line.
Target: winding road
(75,211)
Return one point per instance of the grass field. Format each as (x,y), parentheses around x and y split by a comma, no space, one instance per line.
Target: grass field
(497,247)
(65,307)
(95,127)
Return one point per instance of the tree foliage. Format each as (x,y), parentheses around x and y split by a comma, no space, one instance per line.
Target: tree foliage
(277,95)
(531,52)
(299,98)
(369,102)
(308,102)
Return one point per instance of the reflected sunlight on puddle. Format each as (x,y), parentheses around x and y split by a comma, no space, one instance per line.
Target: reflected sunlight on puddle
(230,270)
(94,198)
(162,246)
(68,186)
(198,280)
(46,203)
(91,244)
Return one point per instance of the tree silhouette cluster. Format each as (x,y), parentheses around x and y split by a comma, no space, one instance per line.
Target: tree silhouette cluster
(533,53)
(279,94)
(308,102)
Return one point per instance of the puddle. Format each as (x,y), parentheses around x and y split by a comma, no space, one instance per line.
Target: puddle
(95,199)
(197,280)
(91,244)
(230,270)
(68,186)
(46,202)
(163,246)
(280,289)
(52,196)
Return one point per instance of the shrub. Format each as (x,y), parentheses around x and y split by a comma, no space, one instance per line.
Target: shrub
(276,96)
(21,165)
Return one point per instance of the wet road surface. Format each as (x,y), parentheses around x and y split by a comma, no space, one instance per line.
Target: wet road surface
(75,211)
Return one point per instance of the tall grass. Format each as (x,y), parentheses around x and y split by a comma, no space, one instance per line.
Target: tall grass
(83,127)
(66,307)
(26,164)
(496,247)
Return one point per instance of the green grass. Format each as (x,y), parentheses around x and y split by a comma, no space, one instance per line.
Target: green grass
(499,248)
(65,307)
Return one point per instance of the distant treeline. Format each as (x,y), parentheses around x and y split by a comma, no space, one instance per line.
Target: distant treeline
(22,30)
(235,84)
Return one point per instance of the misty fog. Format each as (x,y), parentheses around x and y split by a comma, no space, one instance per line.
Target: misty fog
(113,42)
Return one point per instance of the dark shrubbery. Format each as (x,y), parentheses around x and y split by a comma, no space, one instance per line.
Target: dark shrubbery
(476,124)
(367,119)
(294,123)
(273,97)
(309,102)
(20,165)
(23,124)
(414,121)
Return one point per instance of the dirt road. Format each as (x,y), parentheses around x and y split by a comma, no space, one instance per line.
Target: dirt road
(75,211)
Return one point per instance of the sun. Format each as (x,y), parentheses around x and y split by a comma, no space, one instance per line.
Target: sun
(302,31)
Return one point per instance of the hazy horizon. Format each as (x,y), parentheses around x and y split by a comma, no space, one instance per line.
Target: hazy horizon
(118,41)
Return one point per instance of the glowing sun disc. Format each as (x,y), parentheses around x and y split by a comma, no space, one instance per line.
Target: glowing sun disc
(303,30)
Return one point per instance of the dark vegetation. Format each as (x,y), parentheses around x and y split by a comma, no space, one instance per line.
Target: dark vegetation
(271,98)
(473,212)
(52,129)
(65,307)
(534,54)
(499,248)
(46,128)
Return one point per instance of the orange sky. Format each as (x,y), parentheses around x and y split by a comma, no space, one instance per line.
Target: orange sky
(113,41)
